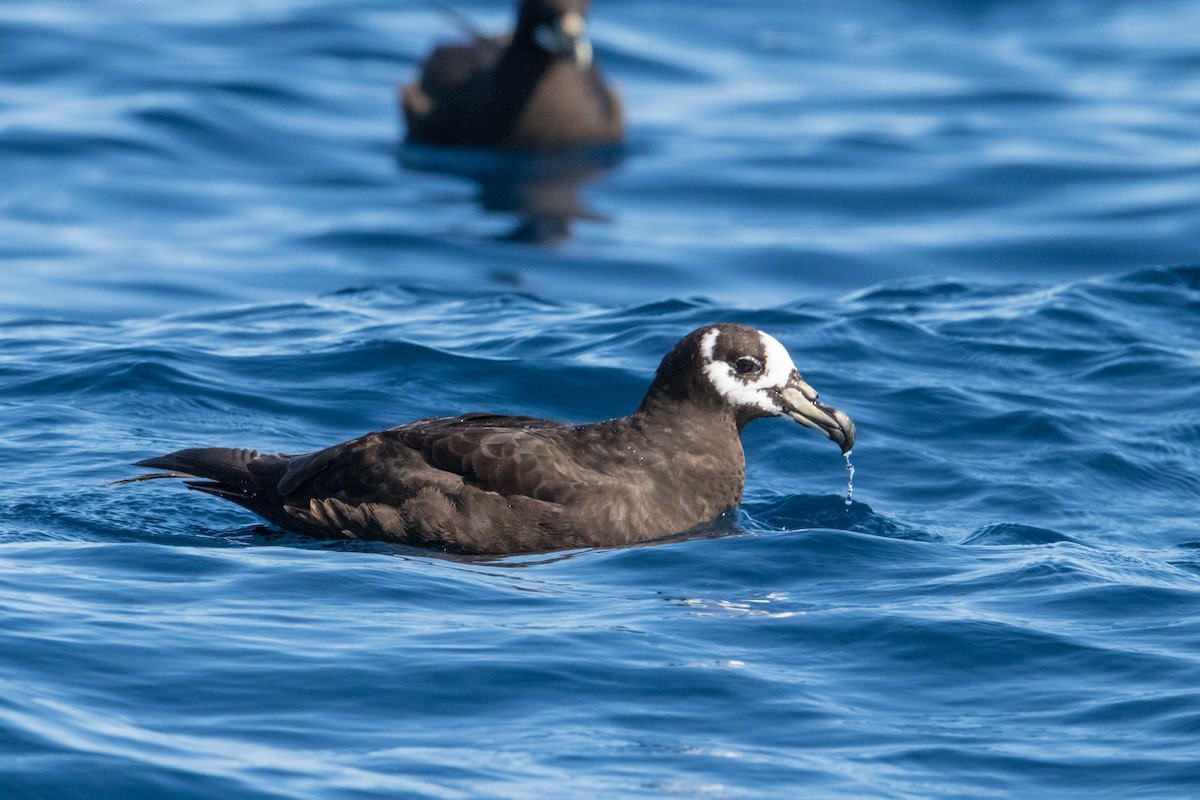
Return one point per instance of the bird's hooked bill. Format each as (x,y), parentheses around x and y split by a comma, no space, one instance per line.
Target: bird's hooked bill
(801,404)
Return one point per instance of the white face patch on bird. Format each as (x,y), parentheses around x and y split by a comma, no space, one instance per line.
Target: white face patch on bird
(757,373)
(750,378)
(566,36)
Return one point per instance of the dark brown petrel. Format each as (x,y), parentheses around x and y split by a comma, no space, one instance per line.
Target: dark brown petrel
(493,484)
(535,90)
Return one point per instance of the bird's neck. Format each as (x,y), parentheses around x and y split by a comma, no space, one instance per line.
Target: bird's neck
(663,406)
(668,418)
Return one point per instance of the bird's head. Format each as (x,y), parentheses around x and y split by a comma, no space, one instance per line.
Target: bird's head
(751,374)
(558,27)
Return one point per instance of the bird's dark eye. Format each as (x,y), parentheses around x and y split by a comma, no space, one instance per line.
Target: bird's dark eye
(747,365)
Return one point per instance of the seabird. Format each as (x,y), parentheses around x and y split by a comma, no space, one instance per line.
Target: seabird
(494,484)
(537,89)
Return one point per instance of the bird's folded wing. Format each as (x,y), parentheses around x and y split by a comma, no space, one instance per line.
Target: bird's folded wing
(512,456)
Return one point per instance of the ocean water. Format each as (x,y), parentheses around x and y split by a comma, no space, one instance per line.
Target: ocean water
(975,225)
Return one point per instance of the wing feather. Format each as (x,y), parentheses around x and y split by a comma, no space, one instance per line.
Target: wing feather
(511,456)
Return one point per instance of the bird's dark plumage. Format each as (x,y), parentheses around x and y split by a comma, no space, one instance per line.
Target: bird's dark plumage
(493,484)
(535,90)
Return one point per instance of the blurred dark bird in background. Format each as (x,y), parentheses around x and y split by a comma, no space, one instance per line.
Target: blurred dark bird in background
(537,89)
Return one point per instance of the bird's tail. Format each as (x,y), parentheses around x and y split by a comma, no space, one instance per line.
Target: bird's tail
(223,470)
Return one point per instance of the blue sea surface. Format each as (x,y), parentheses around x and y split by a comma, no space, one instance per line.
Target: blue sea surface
(975,225)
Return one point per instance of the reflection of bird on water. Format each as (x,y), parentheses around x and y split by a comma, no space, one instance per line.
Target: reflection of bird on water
(537,89)
(541,189)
